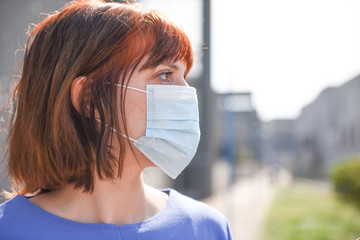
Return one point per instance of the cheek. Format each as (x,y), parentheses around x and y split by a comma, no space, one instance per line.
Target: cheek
(135,114)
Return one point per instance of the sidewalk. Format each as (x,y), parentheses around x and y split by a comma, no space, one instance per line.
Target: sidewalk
(247,203)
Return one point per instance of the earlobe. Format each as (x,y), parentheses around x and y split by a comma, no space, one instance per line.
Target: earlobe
(76,88)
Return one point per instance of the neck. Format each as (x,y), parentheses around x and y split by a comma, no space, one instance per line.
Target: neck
(123,201)
(111,201)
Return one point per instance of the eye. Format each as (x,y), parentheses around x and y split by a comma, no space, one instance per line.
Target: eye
(164,76)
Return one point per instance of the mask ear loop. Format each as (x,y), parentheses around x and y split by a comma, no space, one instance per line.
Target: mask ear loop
(132,88)
(139,90)
(136,89)
(114,130)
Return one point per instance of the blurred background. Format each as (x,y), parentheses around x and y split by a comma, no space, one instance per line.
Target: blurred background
(279,92)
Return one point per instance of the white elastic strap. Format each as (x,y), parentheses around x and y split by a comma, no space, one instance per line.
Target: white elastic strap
(136,89)
(114,130)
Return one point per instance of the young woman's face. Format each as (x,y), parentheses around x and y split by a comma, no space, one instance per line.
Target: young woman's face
(167,73)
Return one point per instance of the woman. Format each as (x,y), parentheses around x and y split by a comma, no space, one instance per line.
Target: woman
(102,96)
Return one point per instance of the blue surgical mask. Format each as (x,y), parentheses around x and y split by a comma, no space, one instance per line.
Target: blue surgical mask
(172,127)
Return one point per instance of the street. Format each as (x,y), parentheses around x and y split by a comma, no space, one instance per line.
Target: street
(247,203)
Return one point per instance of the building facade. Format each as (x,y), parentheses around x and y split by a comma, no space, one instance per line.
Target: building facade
(327,131)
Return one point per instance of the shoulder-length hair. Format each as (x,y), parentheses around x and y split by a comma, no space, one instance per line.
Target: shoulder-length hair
(52,144)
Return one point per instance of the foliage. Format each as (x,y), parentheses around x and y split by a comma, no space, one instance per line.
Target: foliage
(345,177)
(309,211)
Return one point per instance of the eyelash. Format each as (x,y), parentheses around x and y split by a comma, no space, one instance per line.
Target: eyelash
(161,76)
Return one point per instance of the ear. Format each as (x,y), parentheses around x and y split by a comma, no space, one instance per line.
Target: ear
(75,91)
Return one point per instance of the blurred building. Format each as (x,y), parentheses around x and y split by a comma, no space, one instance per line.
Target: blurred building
(280,144)
(241,129)
(328,129)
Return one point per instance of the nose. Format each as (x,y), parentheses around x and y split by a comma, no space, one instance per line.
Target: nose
(181,82)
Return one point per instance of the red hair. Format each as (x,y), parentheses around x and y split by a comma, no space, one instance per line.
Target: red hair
(52,144)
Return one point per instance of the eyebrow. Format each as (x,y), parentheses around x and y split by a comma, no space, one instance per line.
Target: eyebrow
(170,65)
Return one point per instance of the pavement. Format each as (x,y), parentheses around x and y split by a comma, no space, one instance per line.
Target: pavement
(247,202)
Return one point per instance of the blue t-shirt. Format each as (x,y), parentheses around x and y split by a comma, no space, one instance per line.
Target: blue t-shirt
(182,218)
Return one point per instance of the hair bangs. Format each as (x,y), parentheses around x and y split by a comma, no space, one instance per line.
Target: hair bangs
(170,42)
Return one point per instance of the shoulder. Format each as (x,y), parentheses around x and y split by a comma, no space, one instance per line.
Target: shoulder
(195,208)
(10,212)
(19,212)
(203,217)
(8,208)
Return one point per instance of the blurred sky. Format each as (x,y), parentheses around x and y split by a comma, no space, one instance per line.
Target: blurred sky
(283,51)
